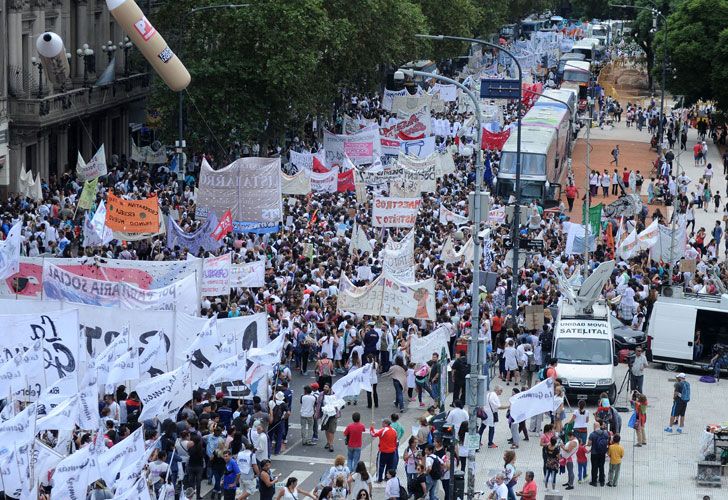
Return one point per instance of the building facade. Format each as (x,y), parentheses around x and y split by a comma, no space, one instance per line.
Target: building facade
(42,127)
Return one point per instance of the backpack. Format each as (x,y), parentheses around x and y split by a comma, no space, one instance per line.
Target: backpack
(436,469)
(542,373)
(602,443)
(685,391)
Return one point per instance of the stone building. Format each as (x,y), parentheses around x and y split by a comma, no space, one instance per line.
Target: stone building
(43,127)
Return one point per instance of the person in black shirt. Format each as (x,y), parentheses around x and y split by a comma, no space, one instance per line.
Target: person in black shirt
(460,369)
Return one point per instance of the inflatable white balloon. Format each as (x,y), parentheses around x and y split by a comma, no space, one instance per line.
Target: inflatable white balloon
(53,57)
(150,43)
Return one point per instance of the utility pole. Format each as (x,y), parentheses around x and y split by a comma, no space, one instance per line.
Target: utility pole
(587,198)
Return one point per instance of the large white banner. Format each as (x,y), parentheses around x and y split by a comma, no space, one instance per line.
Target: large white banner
(250,275)
(299,184)
(58,331)
(362,148)
(451,254)
(422,348)
(447,216)
(538,399)
(395,212)
(389,95)
(324,182)
(360,300)
(163,396)
(359,240)
(408,300)
(302,161)
(96,167)
(216,275)
(179,296)
(398,258)
(59,284)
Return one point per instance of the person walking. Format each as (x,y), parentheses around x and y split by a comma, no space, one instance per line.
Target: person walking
(372,360)
(615,156)
(433,469)
(571,193)
(460,370)
(616,453)
(353,439)
(637,370)
(598,443)
(640,409)
(387,447)
(231,477)
(568,450)
(509,472)
(308,404)
(680,399)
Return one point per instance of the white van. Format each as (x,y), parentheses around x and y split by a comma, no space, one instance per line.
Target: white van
(674,321)
(584,346)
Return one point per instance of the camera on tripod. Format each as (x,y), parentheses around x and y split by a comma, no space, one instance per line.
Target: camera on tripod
(630,358)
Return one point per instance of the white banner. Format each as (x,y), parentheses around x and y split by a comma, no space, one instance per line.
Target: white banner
(124,368)
(395,212)
(179,296)
(163,396)
(362,148)
(450,254)
(299,184)
(389,95)
(326,182)
(422,348)
(121,455)
(408,300)
(229,369)
(95,232)
(56,393)
(421,148)
(359,240)
(250,275)
(302,161)
(63,417)
(353,383)
(60,284)
(538,399)
(670,245)
(447,216)
(10,251)
(360,300)
(94,168)
(446,93)
(216,275)
(398,258)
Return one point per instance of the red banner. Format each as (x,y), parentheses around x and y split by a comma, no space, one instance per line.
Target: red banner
(319,167)
(530,93)
(346,181)
(494,140)
(223,227)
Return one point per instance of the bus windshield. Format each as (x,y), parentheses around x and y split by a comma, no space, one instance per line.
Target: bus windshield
(531,164)
(572,75)
(584,351)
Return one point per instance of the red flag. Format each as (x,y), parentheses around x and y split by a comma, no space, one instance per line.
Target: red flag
(494,140)
(346,181)
(319,167)
(223,227)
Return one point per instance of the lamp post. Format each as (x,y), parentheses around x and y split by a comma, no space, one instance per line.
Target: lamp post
(86,54)
(109,48)
(655,14)
(180,122)
(475,370)
(35,62)
(126,45)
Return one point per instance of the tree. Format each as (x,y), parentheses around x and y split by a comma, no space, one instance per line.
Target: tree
(696,41)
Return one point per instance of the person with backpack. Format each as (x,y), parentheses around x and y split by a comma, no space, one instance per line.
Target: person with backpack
(433,469)
(324,370)
(279,413)
(598,444)
(680,399)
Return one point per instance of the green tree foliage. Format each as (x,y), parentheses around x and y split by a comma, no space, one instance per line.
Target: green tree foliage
(697,44)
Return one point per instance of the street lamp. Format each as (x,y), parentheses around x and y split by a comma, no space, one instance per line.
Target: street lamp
(35,62)
(126,45)
(180,122)
(87,55)
(109,48)
(655,14)
(475,371)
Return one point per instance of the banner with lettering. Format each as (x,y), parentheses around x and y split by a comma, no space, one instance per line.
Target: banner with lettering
(408,300)
(395,212)
(132,216)
(535,401)
(362,300)
(362,148)
(199,239)
(302,161)
(325,182)
(422,348)
(398,258)
(216,275)
(59,284)
(180,296)
(250,275)
(389,95)
(95,168)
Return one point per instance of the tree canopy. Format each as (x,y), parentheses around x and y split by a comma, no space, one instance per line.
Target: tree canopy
(262,70)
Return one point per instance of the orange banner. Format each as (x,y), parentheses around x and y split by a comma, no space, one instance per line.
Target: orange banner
(132,216)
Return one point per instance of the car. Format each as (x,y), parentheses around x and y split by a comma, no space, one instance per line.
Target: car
(626,337)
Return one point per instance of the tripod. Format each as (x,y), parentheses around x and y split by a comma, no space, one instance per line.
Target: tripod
(626,383)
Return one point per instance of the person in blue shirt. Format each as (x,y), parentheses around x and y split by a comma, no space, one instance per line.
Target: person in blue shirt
(231,479)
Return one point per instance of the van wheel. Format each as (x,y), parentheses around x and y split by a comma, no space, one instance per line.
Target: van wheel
(612,393)
(670,367)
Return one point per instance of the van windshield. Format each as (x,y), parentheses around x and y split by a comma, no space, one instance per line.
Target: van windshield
(576,76)
(584,351)
(531,163)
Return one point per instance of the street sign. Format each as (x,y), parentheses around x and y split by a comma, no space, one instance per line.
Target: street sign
(472,440)
(499,89)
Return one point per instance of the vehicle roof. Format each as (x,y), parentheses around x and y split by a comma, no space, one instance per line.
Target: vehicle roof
(572,56)
(585,43)
(578,66)
(569,311)
(534,140)
(548,116)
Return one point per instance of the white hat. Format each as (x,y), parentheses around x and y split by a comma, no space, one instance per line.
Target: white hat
(680,375)
(280,396)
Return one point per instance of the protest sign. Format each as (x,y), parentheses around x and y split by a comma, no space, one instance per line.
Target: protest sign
(359,240)
(216,275)
(146,154)
(163,396)
(179,296)
(326,182)
(389,95)
(395,212)
(95,232)
(123,454)
(132,216)
(538,399)
(250,275)
(352,383)
(421,148)
(446,216)
(10,251)
(88,195)
(422,348)
(445,92)
(201,238)
(398,258)
(95,168)
(302,161)
(360,300)
(299,184)
(415,121)
(408,300)
(451,253)
(59,284)
(361,148)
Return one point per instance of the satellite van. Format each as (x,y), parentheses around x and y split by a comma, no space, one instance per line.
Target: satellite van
(583,337)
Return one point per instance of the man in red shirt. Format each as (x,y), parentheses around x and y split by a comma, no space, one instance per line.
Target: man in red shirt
(697,153)
(353,433)
(387,447)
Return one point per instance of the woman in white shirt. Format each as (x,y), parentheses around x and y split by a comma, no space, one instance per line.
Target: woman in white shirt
(391,490)
(291,492)
(511,358)
(580,418)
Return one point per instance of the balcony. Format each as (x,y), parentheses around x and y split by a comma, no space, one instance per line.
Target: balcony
(79,102)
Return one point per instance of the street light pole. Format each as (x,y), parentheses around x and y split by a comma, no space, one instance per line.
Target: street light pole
(473,355)
(180,119)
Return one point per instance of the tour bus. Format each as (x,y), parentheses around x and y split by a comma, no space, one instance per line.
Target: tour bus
(564,60)
(563,95)
(584,346)
(674,321)
(577,77)
(558,119)
(588,47)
